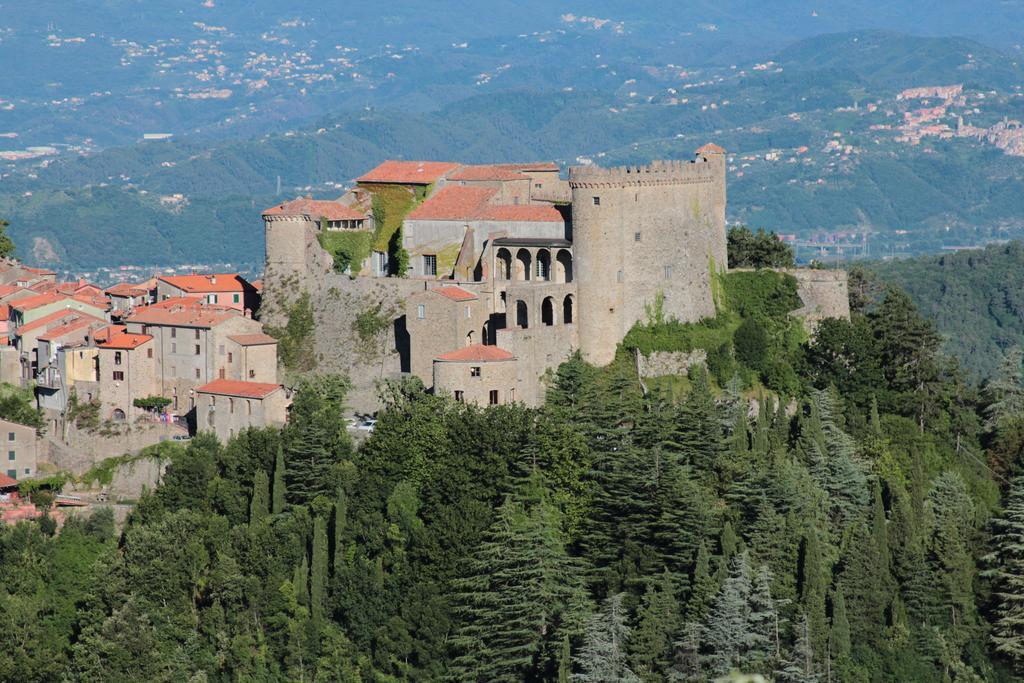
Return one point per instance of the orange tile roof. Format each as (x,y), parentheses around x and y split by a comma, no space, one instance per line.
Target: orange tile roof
(39,271)
(54,318)
(453,203)
(69,327)
(182,311)
(530,213)
(214,282)
(534,166)
(455,293)
(5,312)
(37,301)
(482,173)
(127,289)
(105,333)
(231,387)
(710,148)
(6,482)
(316,209)
(408,172)
(126,341)
(476,353)
(257,339)
(7,290)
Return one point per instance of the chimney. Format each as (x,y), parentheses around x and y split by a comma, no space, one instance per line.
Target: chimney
(213,279)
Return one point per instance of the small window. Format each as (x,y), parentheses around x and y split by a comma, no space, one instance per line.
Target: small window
(174,347)
(220,349)
(537,186)
(174,333)
(149,353)
(474,371)
(198,373)
(668,272)
(636,237)
(493,397)
(469,312)
(231,405)
(197,334)
(429,264)
(174,371)
(199,349)
(597,201)
(118,376)
(231,357)
(11,455)
(248,406)
(421,311)
(28,471)
(13,474)
(460,396)
(234,298)
(11,436)
(252,373)
(619,276)
(221,374)
(117,357)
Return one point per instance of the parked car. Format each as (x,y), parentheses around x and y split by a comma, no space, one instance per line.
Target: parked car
(367,425)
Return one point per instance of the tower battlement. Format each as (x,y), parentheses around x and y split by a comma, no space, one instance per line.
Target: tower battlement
(663,172)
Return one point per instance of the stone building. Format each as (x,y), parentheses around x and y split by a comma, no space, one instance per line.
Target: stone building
(226,407)
(127,371)
(20,449)
(480,374)
(229,290)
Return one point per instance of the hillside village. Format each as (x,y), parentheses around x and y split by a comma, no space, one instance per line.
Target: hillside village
(481,280)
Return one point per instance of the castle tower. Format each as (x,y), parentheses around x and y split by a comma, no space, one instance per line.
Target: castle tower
(641,233)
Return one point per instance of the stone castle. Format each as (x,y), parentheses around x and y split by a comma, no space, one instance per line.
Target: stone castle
(509,268)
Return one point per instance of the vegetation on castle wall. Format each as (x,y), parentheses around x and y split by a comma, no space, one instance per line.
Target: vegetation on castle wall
(390,205)
(85,415)
(295,340)
(752,335)
(762,249)
(18,405)
(348,248)
(446,258)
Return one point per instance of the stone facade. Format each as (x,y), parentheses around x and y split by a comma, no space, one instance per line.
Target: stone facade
(824,293)
(227,407)
(20,450)
(488,379)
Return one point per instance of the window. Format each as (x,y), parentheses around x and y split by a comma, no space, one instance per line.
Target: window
(597,201)
(231,405)
(13,474)
(474,371)
(234,298)
(636,237)
(221,374)
(28,471)
(619,276)
(252,373)
(460,396)
(118,376)
(248,407)
(421,311)
(469,312)
(429,264)
(149,353)
(174,347)
(11,455)
(174,371)
(537,186)
(668,272)
(199,349)
(117,357)
(174,333)
(197,334)
(211,298)
(198,374)
(493,397)
(11,436)
(231,357)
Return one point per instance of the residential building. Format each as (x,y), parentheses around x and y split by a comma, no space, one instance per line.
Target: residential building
(229,290)
(226,407)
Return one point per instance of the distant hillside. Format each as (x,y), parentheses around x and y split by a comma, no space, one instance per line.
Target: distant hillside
(976,299)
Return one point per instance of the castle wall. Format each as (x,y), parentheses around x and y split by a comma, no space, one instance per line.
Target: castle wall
(640,232)
(444,327)
(824,293)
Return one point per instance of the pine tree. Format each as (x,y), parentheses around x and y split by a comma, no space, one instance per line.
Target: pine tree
(318,570)
(315,438)
(867,578)
(740,627)
(704,585)
(259,507)
(279,492)
(602,659)
(1007,571)
(800,666)
(565,661)
(656,630)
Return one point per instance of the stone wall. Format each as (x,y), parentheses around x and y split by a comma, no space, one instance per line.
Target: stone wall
(824,293)
(661,363)
(80,449)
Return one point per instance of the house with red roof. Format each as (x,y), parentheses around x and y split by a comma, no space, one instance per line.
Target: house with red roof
(126,296)
(229,290)
(485,375)
(127,368)
(226,407)
(440,319)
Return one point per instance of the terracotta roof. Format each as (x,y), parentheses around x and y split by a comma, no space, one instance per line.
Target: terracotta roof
(182,311)
(476,353)
(57,317)
(126,341)
(408,172)
(7,290)
(68,327)
(37,301)
(214,282)
(6,482)
(532,166)
(105,333)
(230,387)
(481,173)
(127,289)
(5,312)
(455,293)
(257,339)
(533,213)
(316,209)
(710,148)
(454,203)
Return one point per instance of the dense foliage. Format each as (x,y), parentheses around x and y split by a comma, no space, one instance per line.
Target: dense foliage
(761,249)
(622,532)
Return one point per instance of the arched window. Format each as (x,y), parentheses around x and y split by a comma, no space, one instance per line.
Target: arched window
(563,266)
(522,314)
(543,265)
(469,338)
(567,309)
(547,311)
(485,334)
(503,264)
(118,415)
(523,261)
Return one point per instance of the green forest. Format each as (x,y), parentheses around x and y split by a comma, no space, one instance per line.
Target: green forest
(842,508)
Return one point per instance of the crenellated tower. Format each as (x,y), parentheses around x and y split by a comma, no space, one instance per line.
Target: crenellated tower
(642,233)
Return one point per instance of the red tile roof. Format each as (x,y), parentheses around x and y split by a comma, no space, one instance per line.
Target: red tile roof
(182,311)
(127,289)
(7,290)
(105,333)
(214,282)
(37,301)
(65,315)
(257,339)
(316,209)
(68,327)
(530,213)
(455,293)
(477,353)
(482,173)
(230,387)
(7,483)
(126,341)
(532,166)
(710,148)
(408,172)
(5,312)
(39,271)
(453,203)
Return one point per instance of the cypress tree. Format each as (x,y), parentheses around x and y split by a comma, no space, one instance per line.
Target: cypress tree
(300,581)
(814,581)
(1008,573)
(867,579)
(840,635)
(259,506)
(279,492)
(340,524)
(727,634)
(318,570)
